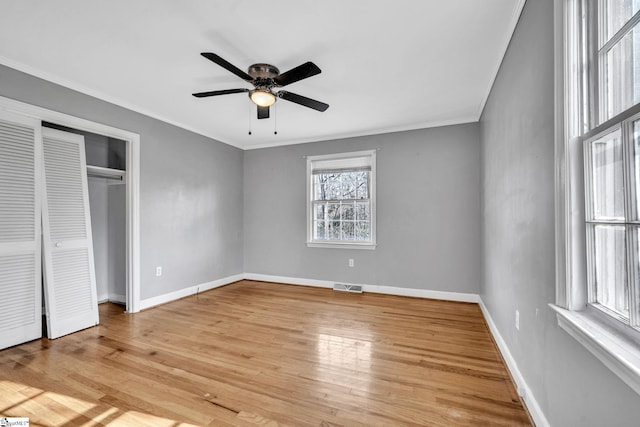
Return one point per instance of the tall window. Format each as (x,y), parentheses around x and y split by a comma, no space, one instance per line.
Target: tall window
(341,194)
(598,179)
(606,48)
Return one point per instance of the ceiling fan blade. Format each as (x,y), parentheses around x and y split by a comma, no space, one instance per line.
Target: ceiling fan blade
(303,100)
(219,92)
(298,73)
(227,66)
(263,112)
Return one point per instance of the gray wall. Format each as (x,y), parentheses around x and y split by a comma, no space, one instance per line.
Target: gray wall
(428,210)
(191,188)
(117,224)
(99,207)
(572,387)
(107,202)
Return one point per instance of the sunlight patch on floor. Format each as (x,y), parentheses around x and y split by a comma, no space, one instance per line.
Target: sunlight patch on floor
(46,408)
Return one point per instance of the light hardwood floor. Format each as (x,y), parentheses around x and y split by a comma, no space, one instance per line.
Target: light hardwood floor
(268,354)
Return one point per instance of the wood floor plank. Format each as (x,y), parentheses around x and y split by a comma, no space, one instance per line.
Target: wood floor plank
(264,354)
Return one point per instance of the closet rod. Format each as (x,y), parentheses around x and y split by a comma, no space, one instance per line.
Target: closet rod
(99,175)
(100,172)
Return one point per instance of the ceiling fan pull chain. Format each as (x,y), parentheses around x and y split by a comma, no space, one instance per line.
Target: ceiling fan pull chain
(275,120)
(250,112)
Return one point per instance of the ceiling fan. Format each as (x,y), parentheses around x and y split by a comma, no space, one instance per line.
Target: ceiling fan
(265,78)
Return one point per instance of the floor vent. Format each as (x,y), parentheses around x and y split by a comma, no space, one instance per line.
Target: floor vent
(343,287)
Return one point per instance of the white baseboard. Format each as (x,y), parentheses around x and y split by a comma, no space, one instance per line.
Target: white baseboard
(422,293)
(192,290)
(523,388)
(289,280)
(390,290)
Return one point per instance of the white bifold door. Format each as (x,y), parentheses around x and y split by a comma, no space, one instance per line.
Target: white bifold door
(20,264)
(70,283)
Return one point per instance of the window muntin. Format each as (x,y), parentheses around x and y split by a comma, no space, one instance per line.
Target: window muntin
(342,193)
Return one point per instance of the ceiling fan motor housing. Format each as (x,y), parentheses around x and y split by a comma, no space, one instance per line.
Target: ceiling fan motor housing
(263,71)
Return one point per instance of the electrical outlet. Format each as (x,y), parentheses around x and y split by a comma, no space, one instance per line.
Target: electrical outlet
(517,320)
(351,263)
(158,271)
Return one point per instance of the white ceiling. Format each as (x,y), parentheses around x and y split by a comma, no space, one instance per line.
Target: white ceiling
(387,65)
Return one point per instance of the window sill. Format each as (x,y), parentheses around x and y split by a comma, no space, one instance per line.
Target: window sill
(619,353)
(336,245)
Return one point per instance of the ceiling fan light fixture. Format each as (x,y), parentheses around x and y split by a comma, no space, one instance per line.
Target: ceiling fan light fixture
(262,98)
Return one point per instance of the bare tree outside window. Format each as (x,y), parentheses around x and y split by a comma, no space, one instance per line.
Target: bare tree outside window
(341,200)
(341,206)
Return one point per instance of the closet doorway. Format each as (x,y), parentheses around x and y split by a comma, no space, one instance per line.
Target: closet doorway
(106,172)
(130,186)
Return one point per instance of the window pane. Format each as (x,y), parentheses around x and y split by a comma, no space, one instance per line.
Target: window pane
(333,211)
(348,212)
(611,287)
(348,186)
(319,187)
(334,230)
(333,187)
(362,231)
(326,186)
(347,230)
(363,185)
(613,15)
(607,177)
(620,75)
(362,211)
(319,230)
(321,211)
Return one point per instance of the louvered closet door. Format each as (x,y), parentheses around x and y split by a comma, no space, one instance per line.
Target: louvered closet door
(20,271)
(70,283)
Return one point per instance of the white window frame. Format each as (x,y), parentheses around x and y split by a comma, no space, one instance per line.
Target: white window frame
(357,157)
(617,345)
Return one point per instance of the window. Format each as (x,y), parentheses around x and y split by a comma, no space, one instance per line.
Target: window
(597,179)
(341,200)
